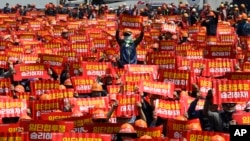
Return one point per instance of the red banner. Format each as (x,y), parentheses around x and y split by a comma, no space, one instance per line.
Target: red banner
(80,137)
(85,104)
(176,128)
(60,94)
(10,128)
(187,100)
(204,84)
(43,106)
(80,122)
(238,75)
(38,87)
(55,116)
(151,56)
(181,48)
(205,136)
(3,61)
(19,49)
(80,47)
(152,69)
(130,88)
(141,53)
(70,54)
(136,77)
(184,64)
(181,79)
(158,88)
(168,109)
(53,60)
(231,91)
(193,54)
(167,45)
(27,71)
(29,58)
(245,66)
(172,28)
(219,67)
(79,38)
(127,105)
(95,68)
(165,62)
(113,89)
(82,84)
(242,118)
(5,85)
(13,56)
(104,128)
(197,64)
(12,107)
(3,44)
(127,21)
(42,130)
(100,43)
(14,136)
(154,132)
(25,95)
(220,51)
(154,139)
(52,45)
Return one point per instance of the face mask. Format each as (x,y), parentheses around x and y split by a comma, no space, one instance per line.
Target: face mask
(127,38)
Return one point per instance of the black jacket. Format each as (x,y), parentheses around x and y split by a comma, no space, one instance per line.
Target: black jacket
(211,25)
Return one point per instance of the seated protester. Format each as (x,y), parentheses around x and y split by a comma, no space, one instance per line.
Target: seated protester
(243,27)
(220,120)
(193,114)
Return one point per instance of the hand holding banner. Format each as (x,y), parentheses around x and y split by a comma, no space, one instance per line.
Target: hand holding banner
(128,21)
(27,71)
(158,88)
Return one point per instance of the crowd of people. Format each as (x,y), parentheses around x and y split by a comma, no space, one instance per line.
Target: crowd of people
(212,117)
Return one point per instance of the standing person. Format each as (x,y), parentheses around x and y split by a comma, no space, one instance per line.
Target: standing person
(194,17)
(220,120)
(211,23)
(128,46)
(6,9)
(243,27)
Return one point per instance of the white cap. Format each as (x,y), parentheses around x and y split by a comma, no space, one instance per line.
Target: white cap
(193,10)
(127,8)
